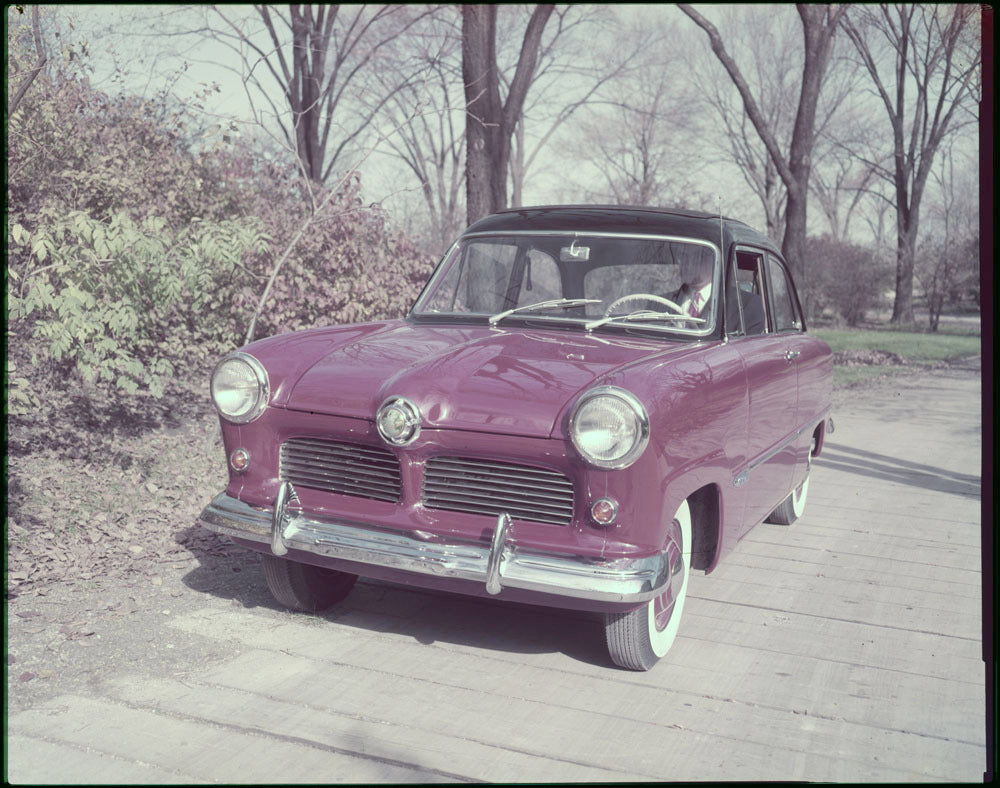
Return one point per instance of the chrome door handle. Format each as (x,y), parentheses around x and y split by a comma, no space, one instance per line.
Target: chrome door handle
(791,355)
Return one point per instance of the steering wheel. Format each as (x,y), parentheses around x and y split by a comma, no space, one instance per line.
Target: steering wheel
(644,297)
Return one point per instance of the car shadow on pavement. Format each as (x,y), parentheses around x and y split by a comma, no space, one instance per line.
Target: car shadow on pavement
(437,617)
(893,469)
(229,572)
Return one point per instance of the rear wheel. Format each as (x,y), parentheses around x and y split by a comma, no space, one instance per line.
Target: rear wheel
(305,587)
(637,639)
(791,509)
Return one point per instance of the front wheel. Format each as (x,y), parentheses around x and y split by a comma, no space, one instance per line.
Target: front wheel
(305,587)
(637,639)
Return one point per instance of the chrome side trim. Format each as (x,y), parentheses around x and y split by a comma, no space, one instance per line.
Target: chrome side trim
(628,580)
(743,476)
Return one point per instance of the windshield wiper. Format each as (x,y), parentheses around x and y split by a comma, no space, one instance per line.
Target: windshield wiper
(562,303)
(645,314)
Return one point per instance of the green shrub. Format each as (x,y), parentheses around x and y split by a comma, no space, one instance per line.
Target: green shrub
(115,301)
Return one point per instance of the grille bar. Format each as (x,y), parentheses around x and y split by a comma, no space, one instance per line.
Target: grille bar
(554,500)
(349,469)
(487,487)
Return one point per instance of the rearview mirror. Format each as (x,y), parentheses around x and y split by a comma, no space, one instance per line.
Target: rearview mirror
(574,253)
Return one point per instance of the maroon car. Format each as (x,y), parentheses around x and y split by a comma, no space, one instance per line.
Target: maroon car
(584,404)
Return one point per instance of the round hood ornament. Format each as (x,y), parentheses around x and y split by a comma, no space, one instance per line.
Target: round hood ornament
(398,421)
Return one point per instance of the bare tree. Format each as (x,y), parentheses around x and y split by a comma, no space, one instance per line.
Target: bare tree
(637,134)
(947,262)
(573,67)
(428,112)
(319,57)
(933,73)
(841,183)
(23,76)
(490,121)
(764,40)
(819,26)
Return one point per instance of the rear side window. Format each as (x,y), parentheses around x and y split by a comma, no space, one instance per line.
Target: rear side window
(746,308)
(783,308)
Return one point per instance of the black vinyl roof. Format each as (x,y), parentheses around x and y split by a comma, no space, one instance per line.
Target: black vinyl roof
(623,219)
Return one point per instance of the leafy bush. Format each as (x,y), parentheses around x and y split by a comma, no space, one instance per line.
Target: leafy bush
(114,300)
(347,267)
(845,277)
(134,254)
(948,271)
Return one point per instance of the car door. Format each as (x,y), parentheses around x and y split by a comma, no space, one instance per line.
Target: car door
(768,351)
(801,351)
(810,357)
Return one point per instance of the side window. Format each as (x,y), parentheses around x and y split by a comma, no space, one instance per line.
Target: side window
(745,301)
(541,280)
(783,310)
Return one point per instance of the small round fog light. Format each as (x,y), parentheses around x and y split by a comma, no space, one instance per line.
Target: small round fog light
(398,421)
(239,460)
(604,511)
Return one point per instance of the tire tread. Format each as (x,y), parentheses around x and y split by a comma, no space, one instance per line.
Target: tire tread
(303,587)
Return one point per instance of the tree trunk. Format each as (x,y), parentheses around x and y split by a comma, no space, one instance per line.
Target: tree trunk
(482,111)
(517,169)
(489,123)
(819,26)
(793,245)
(902,307)
(929,49)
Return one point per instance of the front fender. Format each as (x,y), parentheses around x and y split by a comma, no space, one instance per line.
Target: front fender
(699,410)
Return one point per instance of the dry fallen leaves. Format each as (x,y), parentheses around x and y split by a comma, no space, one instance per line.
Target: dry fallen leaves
(73,519)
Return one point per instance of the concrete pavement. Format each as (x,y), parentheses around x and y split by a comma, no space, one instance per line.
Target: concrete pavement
(845,648)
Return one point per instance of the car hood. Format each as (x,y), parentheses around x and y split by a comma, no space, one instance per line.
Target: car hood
(514,382)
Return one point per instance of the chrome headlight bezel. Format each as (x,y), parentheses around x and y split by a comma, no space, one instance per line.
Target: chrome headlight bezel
(404,410)
(621,401)
(259,399)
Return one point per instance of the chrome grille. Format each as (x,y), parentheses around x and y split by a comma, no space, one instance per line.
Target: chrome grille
(346,468)
(486,487)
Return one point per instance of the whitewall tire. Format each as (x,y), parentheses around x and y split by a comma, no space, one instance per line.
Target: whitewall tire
(636,640)
(791,509)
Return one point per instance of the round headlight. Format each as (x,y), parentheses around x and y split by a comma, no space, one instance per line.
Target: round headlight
(240,388)
(609,427)
(398,421)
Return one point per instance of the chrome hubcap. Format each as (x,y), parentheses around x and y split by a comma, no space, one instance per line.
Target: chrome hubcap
(663,605)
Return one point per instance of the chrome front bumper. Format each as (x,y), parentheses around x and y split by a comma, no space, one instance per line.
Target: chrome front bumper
(498,565)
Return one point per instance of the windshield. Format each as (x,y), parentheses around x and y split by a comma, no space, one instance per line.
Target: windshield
(600,282)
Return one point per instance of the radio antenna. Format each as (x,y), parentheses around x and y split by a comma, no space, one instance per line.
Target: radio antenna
(722,247)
